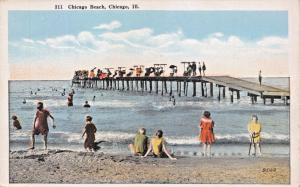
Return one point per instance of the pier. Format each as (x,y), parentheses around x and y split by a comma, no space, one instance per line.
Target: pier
(180,84)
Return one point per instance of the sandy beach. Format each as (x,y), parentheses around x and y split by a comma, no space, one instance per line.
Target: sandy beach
(63,166)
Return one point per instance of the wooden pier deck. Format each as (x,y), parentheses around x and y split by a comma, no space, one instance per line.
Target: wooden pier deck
(150,84)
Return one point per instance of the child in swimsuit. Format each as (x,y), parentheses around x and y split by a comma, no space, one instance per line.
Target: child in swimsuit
(89,130)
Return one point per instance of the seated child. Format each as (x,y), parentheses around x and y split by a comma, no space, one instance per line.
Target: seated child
(140,143)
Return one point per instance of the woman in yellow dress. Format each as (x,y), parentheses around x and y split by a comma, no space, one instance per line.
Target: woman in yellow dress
(158,147)
(254,129)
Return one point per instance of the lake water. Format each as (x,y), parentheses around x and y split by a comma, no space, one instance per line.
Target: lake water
(118,114)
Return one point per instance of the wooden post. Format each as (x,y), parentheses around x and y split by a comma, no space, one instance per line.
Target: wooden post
(131,85)
(177,86)
(127,82)
(146,85)
(123,86)
(231,95)
(219,95)
(150,86)
(142,85)
(238,94)
(179,89)
(103,84)
(264,100)
(205,88)
(137,85)
(202,89)
(186,88)
(171,88)
(156,86)
(272,100)
(162,87)
(224,92)
(211,89)
(194,88)
(165,85)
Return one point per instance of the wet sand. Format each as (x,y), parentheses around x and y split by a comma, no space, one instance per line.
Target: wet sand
(63,166)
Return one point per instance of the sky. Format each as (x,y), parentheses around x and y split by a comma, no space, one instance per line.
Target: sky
(53,44)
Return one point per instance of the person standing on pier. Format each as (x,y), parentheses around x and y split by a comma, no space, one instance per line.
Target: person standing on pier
(206,135)
(254,129)
(194,68)
(199,68)
(259,77)
(203,68)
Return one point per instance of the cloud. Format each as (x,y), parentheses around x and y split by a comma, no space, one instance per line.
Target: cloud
(110,26)
(27,40)
(144,46)
(273,41)
(217,34)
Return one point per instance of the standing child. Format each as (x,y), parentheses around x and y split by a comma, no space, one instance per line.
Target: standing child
(90,130)
(254,129)
(206,135)
(40,124)
(16,122)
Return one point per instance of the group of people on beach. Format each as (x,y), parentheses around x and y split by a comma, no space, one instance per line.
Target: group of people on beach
(141,146)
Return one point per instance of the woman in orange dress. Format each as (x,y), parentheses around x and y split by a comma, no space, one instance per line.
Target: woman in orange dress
(206,135)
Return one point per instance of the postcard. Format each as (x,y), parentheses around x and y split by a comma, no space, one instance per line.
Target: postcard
(139,92)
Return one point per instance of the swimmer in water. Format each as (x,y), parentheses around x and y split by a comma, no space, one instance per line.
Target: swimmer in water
(174,101)
(86,105)
(94,98)
(24,101)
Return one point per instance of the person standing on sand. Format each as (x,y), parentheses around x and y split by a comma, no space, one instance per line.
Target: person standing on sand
(16,122)
(139,148)
(254,129)
(89,130)
(158,147)
(259,77)
(40,124)
(206,135)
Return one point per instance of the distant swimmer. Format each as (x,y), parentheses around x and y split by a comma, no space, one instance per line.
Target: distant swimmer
(24,101)
(34,93)
(70,99)
(73,91)
(94,98)
(38,89)
(174,101)
(16,122)
(31,92)
(86,105)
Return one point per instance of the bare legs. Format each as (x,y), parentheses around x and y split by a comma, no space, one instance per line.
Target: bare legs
(45,141)
(131,148)
(33,141)
(206,149)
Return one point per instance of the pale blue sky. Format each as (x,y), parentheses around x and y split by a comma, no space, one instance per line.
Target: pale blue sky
(194,34)
(249,25)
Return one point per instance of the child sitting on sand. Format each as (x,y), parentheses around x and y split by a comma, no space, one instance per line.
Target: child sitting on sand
(90,130)
(158,147)
(16,122)
(40,124)
(139,148)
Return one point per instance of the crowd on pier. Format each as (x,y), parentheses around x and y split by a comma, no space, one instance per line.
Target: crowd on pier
(190,69)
